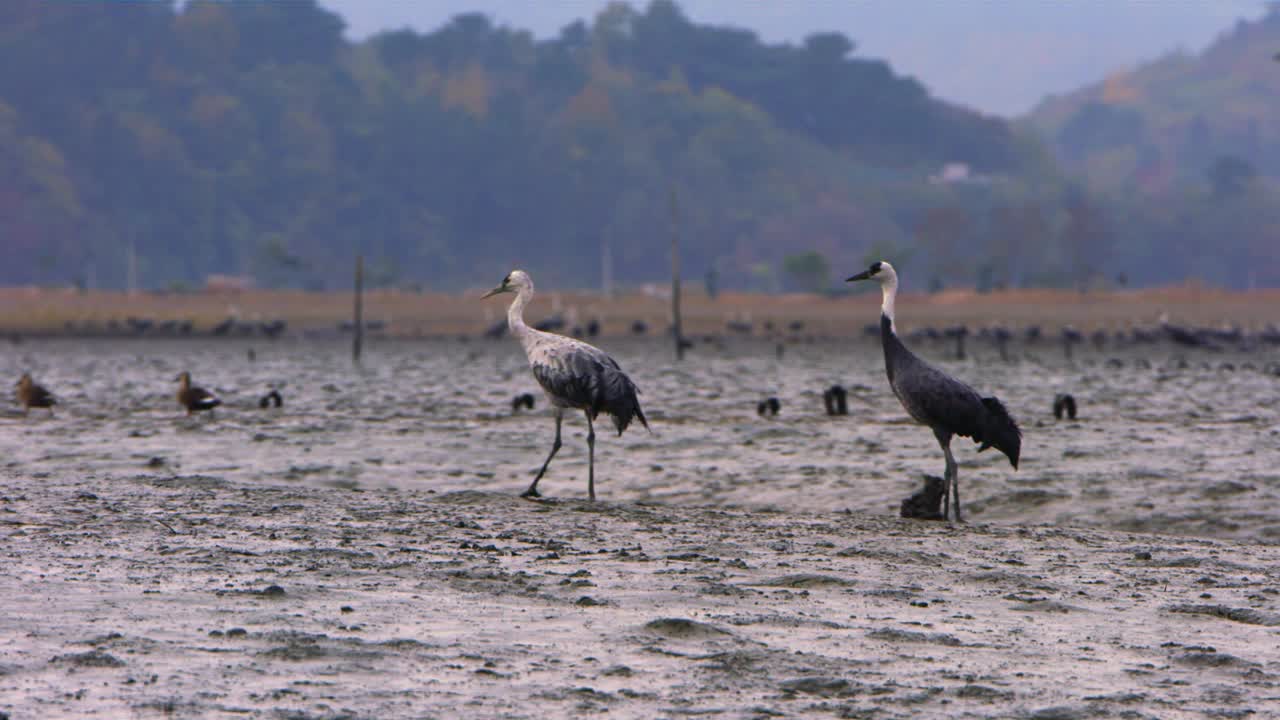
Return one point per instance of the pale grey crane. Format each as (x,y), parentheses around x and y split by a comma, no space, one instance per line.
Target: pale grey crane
(933,398)
(573,374)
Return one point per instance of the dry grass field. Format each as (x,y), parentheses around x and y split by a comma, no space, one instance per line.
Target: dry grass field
(40,311)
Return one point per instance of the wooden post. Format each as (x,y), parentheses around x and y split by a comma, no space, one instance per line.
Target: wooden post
(606,267)
(131,267)
(676,330)
(358,338)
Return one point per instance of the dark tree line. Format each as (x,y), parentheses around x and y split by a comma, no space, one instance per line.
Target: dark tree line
(251,138)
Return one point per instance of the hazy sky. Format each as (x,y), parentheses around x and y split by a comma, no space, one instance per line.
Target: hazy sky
(1001,56)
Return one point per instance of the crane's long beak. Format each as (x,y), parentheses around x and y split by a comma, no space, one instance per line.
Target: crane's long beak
(496,291)
(864,275)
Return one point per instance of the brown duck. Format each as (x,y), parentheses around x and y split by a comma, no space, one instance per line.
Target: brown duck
(32,395)
(194,399)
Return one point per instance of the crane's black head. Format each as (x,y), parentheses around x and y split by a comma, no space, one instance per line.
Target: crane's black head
(513,282)
(875,271)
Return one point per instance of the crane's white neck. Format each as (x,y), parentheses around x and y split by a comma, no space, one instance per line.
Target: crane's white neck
(889,287)
(515,313)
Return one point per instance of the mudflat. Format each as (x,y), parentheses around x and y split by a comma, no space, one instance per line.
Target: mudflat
(360,552)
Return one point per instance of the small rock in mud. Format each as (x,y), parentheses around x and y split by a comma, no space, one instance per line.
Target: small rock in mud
(925,503)
(272,591)
(295,652)
(684,628)
(896,635)
(93,658)
(156,462)
(1061,712)
(618,671)
(346,609)
(804,580)
(1247,616)
(983,692)
(1047,606)
(1210,659)
(1224,488)
(820,686)
(237,632)
(587,601)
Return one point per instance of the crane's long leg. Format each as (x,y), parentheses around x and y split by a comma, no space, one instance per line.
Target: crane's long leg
(591,459)
(555,447)
(949,476)
(953,472)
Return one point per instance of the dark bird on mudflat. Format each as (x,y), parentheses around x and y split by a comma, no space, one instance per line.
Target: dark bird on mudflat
(573,374)
(140,325)
(222,328)
(931,397)
(32,395)
(551,324)
(1064,404)
(1070,338)
(523,400)
(1185,337)
(835,400)
(274,328)
(271,399)
(768,406)
(925,503)
(496,330)
(1001,336)
(194,399)
(955,332)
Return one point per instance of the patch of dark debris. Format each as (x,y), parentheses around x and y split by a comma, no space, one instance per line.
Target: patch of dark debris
(911,636)
(1247,616)
(90,659)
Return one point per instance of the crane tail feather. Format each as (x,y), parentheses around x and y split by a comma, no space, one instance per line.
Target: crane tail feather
(1001,431)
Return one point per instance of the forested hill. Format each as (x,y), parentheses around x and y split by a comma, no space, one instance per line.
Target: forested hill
(1187,149)
(1174,118)
(251,138)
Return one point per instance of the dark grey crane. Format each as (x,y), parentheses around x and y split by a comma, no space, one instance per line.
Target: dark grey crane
(573,374)
(933,398)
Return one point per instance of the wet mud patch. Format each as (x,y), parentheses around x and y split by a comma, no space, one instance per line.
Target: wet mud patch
(90,659)
(894,635)
(1249,616)
(685,629)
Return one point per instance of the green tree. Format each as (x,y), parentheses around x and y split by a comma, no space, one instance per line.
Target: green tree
(810,270)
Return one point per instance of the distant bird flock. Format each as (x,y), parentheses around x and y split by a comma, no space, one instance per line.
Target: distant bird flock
(575,375)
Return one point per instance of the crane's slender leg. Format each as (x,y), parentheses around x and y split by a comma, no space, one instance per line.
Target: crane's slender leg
(555,447)
(591,459)
(949,476)
(954,482)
